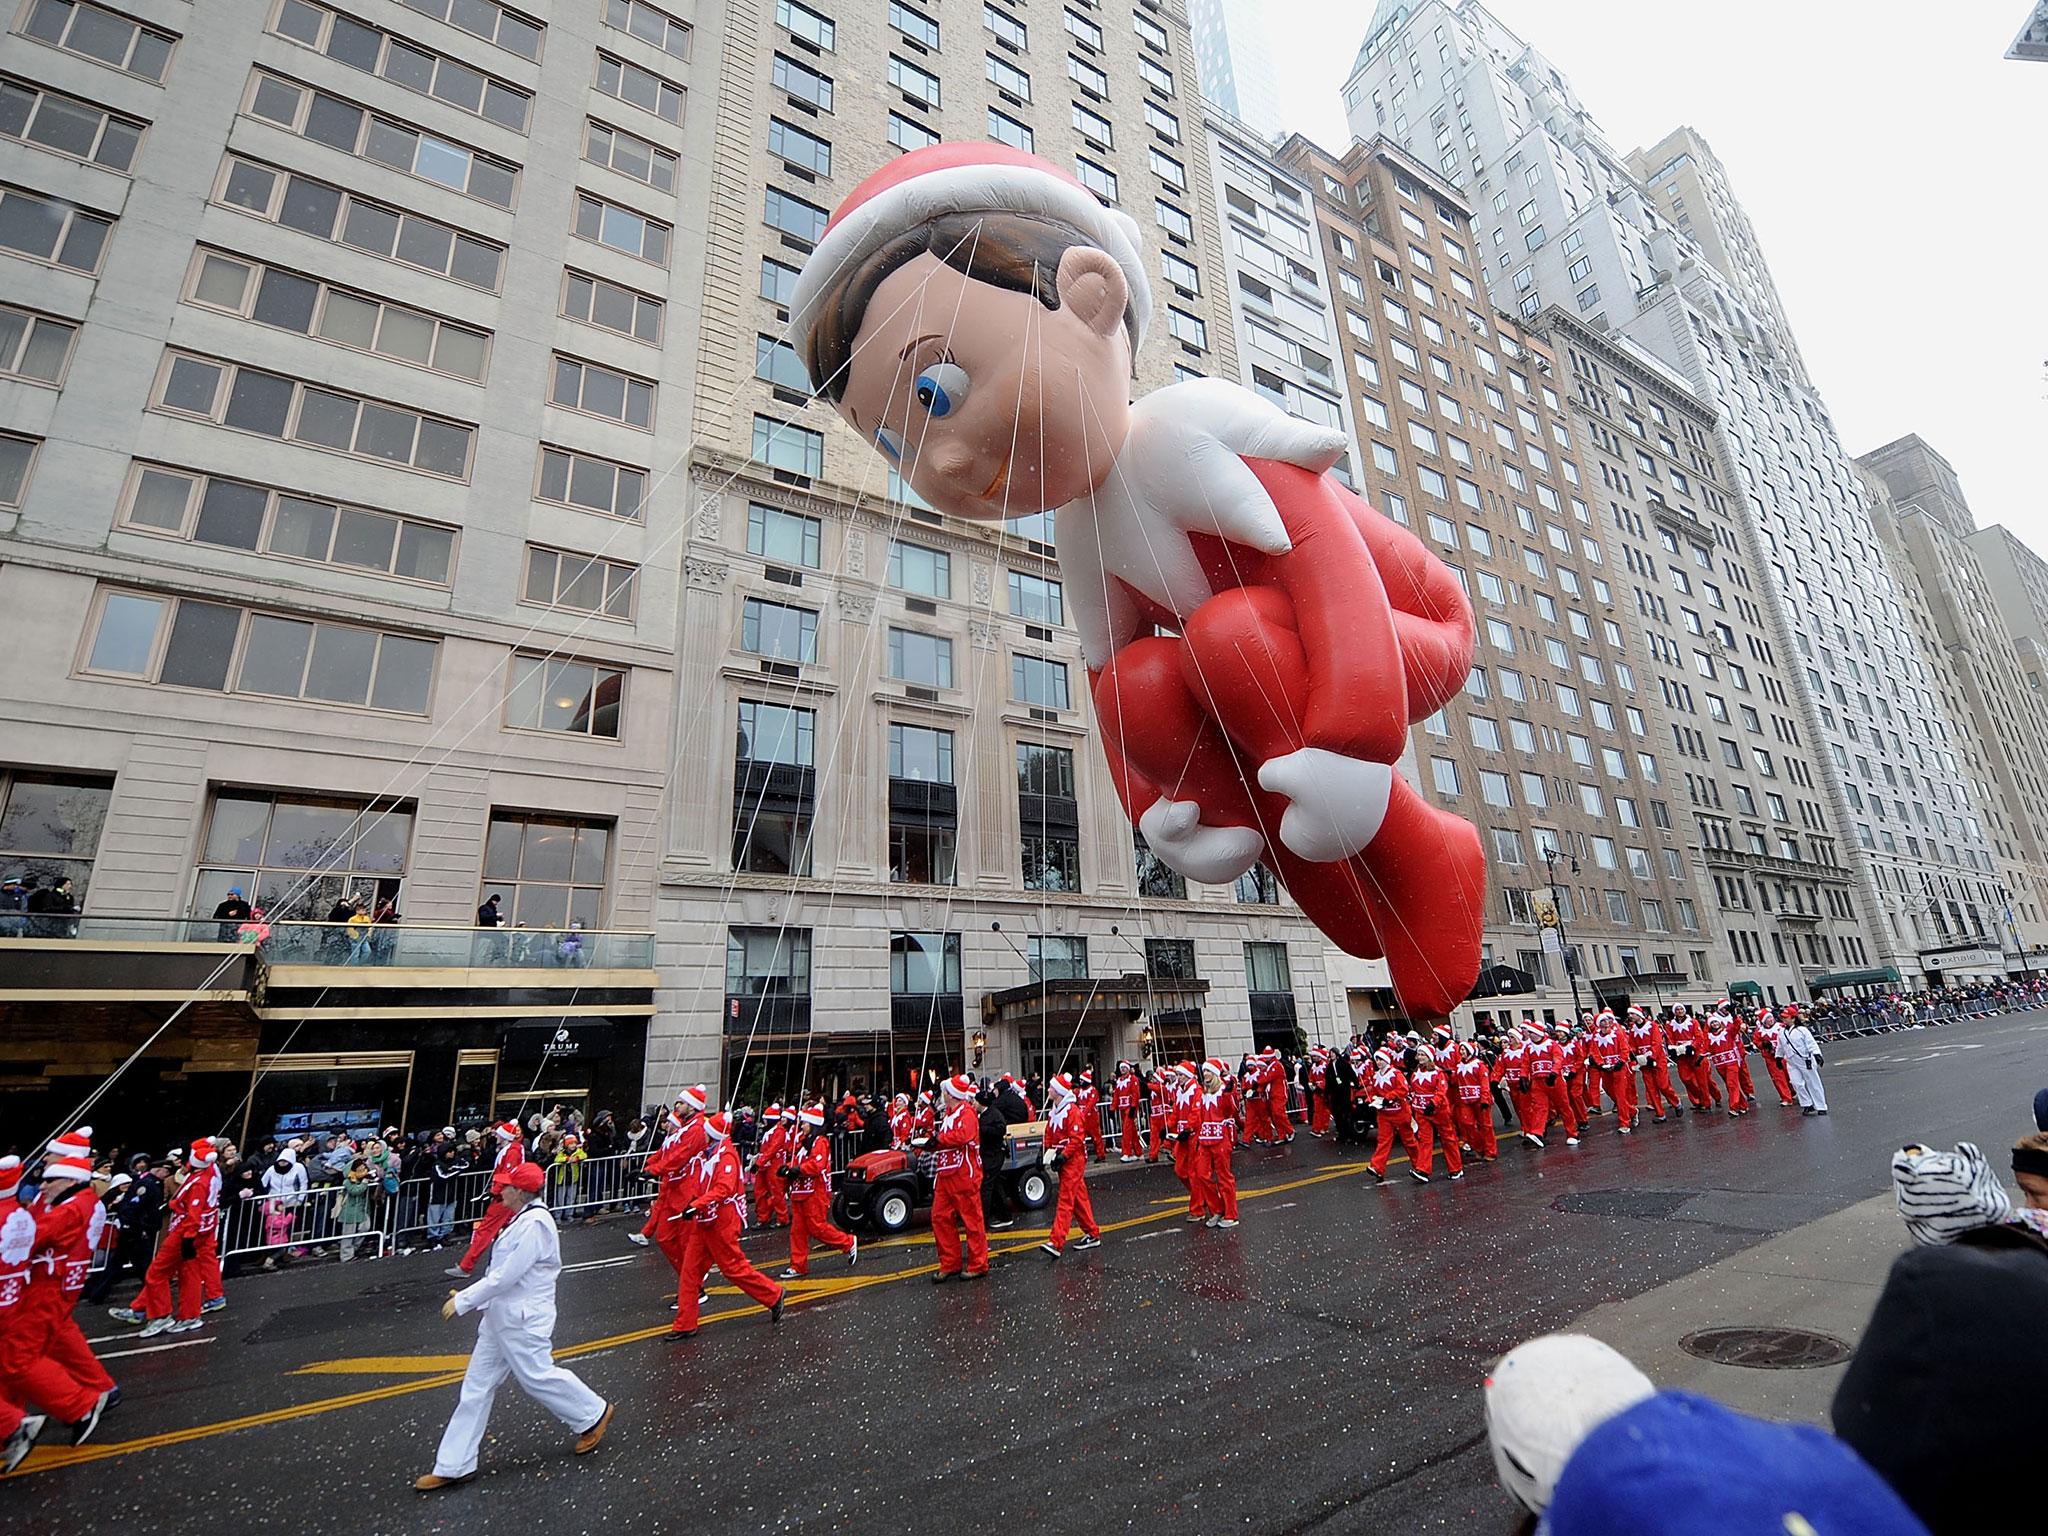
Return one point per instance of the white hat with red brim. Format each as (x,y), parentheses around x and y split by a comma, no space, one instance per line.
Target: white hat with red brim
(70,1156)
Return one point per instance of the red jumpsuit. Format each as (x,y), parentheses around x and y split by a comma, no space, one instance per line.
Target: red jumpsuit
(1724,1054)
(1187,1122)
(1276,1099)
(1608,1048)
(1089,1104)
(1770,1043)
(1319,1097)
(956,1192)
(1128,1097)
(1548,1095)
(1065,1137)
(1429,1095)
(1512,1068)
(771,1200)
(720,1207)
(1251,1096)
(1574,1076)
(1646,1042)
(29,1299)
(1473,1080)
(1215,1134)
(900,1123)
(1688,1041)
(810,1203)
(675,1165)
(1159,1098)
(1390,1100)
(194,1210)
(66,1234)
(493,1220)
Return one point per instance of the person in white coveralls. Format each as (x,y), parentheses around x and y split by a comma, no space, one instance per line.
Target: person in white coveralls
(515,1338)
(1802,1064)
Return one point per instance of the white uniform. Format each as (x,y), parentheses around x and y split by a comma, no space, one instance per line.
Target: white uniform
(1802,1064)
(516,1337)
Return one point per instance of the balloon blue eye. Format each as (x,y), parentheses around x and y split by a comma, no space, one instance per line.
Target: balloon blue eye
(942,388)
(890,444)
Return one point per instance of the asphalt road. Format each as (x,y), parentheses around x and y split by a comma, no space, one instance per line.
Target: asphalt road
(1315,1370)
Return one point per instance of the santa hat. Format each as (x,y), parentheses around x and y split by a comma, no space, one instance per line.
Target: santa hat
(772,1112)
(1087,1079)
(1383,1057)
(693,1098)
(1441,1029)
(811,1115)
(505,1130)
(203,1151)
(1063,1085)
(961,1086)
(718,1127)
(789,1112)
(1270,1051)
(70,1155)
(965,177)
(10,1176)
(1215,1064)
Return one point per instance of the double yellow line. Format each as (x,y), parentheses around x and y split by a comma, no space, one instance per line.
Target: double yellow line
(52,1458)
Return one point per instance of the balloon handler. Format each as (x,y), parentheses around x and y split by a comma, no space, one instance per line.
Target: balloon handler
(1259,640)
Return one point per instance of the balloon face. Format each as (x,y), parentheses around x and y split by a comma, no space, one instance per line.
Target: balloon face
(989,402)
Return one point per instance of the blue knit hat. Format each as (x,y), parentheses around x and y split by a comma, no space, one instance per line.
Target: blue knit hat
(1676,1465)
(2041,1110)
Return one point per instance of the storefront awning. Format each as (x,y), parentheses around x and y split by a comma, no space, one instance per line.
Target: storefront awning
(1882,976)
(1069,999)
(1744,989)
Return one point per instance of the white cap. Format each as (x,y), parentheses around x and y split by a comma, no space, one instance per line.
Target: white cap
(1544,1398)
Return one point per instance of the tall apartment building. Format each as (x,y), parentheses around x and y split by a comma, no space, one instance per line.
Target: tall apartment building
(1567,221)
(2032,42)
(1554,750)
(2018,582)
(1928,522)
(1234,50)
(340,341)
(900,845)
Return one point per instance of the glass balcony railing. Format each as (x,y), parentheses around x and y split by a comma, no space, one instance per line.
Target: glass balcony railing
(383,944)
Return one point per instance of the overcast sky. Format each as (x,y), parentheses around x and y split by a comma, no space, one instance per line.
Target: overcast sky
(1895,165)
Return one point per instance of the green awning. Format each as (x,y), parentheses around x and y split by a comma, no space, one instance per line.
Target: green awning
(1882,976)
(1744,989)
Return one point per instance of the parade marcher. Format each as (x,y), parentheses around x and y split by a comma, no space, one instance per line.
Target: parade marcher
(516,1336)
(31,1295)
(674,1170)
(956,1190)
(1770,1044)
(1319,1117)
(1127,1096)
(1255,1126)
(996,1213)
(1724,1055)
(807,1170)
(1803,1064)
(69,1220)
(771,1198)
(1275,1079)
(193,1216)
(1653,1060)
(511,1154)
(1688,1046)
(1511,1071)
(1159,1101)
(923,1122)
(1215,1133)
(1610,1052)
(1549,1098)
(1066,1154)
(1187,1124)
(900,1122)
(1573,1071)
(1390,1104)
(718,1210)
(1089,1104)
(1472,1079)
(1429,1099)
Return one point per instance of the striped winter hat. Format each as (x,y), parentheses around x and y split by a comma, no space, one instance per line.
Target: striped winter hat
(1942,1195)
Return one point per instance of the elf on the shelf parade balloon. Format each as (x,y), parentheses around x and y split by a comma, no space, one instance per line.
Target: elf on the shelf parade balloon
(1258,639)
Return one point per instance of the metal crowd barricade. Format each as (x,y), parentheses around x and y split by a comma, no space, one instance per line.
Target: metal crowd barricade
(301,1226)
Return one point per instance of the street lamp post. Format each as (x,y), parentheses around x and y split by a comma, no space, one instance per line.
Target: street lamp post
(1557,920)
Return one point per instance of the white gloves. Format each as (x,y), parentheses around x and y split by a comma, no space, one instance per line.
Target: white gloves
(1174,831)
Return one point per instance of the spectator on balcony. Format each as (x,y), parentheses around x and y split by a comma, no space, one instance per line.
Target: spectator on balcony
(231,914)
(488,915)
(50,909)
(334,939)
(358,930)
(569,945)
(386,916)
(255,930)
(13,908)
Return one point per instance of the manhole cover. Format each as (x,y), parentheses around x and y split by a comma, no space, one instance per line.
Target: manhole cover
(1766,1349)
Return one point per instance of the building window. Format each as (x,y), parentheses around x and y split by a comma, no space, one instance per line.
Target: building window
(1266,969)
(386,141)
(328,213)
(786,446)
(1155,877)
(905,134)
(1082,30)
(1167,169)
(1160,80)
(920,753)
(1173,220)
(769,838)
(550,870)
(1099,179)
(915,657)
(290,302)
(913,568)
(803,22)
(68,126)
(776,734)
(188,643)
(918,84)
(1051,861)
(793,216)
(17,458)
(1006,27)
(1257,887)
(1037,599)
(778,281)
(403,62)
(1036,680)
(802,82)
(788,538)
(776,362)
(805,151)
(1092,125)
(596,485)
(609,307)
(1056,957)
(34,347)
(913,24)
(924,964)
(604,392)
(621,151)
(233,514)
(52,231)
(640,88)
(648,24)
(50,827)
(1005,129)
(768,962)
(488,20)
(1162,121)
(583,583)
(622,229)
(1088,77)
(100,34)
(1187,328)
(296,855)
(576,698)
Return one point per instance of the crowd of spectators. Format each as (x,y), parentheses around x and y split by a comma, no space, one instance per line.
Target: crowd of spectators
(1835,1017)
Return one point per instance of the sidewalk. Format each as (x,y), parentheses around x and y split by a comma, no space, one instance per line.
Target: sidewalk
(1824,1275)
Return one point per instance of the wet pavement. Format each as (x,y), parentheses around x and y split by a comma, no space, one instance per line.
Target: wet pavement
(1315,1370)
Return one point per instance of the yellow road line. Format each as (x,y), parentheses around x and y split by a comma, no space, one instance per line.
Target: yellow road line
(384,1365)
(51,1458)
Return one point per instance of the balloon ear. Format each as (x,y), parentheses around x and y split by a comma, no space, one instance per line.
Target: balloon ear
(1093,286)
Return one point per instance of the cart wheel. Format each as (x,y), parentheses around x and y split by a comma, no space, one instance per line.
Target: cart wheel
(1031,1188)
(893,1210)
(847,1213)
